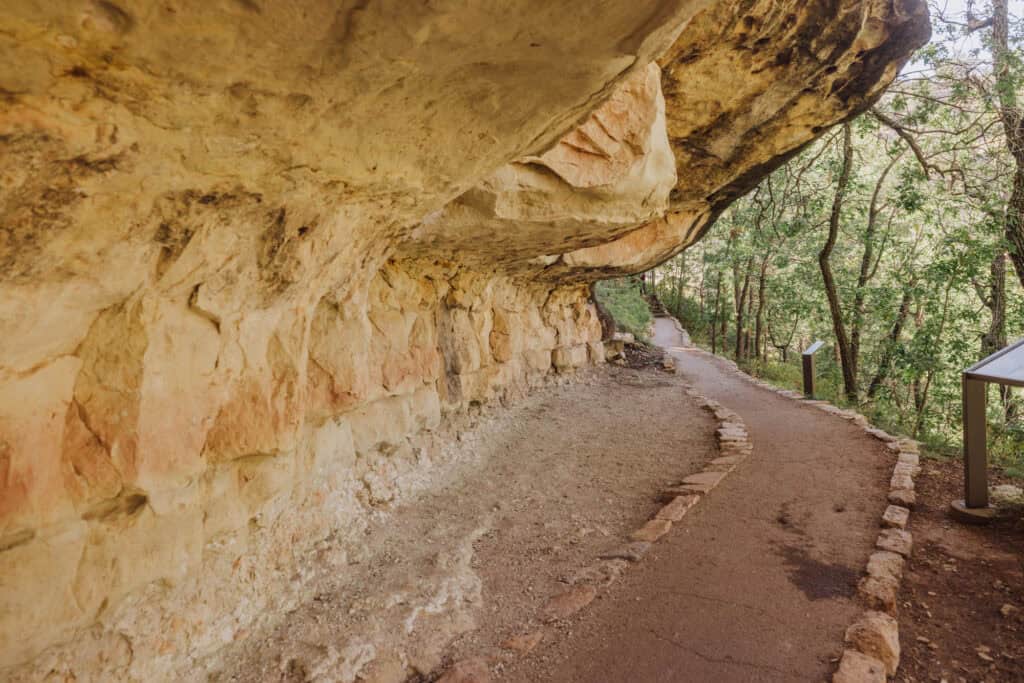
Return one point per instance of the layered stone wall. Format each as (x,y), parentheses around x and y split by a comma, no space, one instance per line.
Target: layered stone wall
(340,416)
(256,259)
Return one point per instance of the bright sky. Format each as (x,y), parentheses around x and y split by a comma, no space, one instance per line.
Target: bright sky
(956,10)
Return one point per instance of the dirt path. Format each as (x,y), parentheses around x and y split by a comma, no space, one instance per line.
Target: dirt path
(758,583)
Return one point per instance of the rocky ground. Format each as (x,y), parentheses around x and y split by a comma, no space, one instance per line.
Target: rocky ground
(533,495)
(962,603)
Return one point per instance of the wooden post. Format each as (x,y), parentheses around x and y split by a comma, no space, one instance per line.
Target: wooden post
(975,447)
(974,508)
(808,361)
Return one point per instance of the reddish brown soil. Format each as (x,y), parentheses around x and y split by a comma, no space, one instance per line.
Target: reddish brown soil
(959,579)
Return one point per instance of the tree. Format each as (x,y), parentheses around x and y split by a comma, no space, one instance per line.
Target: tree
(831,292)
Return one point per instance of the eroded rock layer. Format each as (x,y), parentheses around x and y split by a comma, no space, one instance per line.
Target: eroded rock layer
(256,259)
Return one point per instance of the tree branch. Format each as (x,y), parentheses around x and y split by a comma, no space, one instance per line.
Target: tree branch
(908,138)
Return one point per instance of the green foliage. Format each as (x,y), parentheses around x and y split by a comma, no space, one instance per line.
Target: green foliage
(622,298)
(1004,447)
(921,233)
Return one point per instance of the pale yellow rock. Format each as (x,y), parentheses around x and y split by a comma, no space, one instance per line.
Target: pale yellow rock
(675,510)
(652,530)
(895,540)
(883,563)
(880,591)
(523,643)
(901,480)
(903,497)
(895,517)
(856,667)
(569,357)
(564,605)
(44,614)
(876,634)
(709,478)
(616,169)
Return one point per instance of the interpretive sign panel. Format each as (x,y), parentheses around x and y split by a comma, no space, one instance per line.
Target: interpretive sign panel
(813,347)
(1005,366)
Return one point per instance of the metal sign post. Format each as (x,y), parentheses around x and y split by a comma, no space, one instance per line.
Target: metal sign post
(1006,367)
(808,359)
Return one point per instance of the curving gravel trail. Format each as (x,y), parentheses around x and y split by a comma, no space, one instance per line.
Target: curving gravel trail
(759,583)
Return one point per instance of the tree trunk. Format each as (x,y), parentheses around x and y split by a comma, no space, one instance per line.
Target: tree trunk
(723,320)
(714,314)
(748,345)
(995,337)
(838,325)
(679,282)
(866,271)
(891,342)
(741,303)
(921,393)
(703,276)
(759,322)
(1010,117)
(737,306)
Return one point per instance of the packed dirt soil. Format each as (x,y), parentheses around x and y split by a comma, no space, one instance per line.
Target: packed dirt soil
(962,603)
(530,496)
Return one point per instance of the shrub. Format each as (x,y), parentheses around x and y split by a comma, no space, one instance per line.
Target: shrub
(622,299)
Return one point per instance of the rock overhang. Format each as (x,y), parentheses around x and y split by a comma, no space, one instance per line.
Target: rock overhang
(254,253)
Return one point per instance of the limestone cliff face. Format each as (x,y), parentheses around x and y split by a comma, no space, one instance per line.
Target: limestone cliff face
(256,257)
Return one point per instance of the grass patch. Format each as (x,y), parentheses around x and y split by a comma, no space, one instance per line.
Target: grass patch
(1006,447)
(622,299)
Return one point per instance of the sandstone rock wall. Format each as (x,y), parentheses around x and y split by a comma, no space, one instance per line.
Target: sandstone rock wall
(257,258)
(340,414)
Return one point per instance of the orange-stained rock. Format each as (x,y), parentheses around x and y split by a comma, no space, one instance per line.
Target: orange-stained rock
(652,530)
(564,605)
(89,475)
(856,667)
